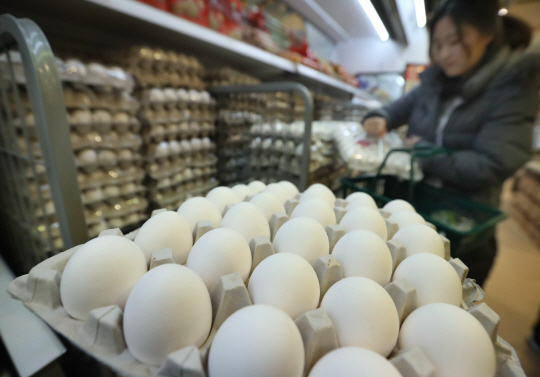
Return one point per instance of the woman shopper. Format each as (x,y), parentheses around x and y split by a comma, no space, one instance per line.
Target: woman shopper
(479,99)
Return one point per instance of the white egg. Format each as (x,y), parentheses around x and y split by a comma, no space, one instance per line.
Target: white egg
(302,236)
(100,273)
(200,209)
(406,218)
(257,186)
(286,281)
(257,340)
(248,220)
(319,191)
(434,278)
(365,218)
(268,204)
(363,314)
(452,339)
(218,253)
(317,209)
(221,197)
(167,310)
(364,253)
(398,205)
(278,191)
(359,199)
(290,187)
(167,230)
(418,239)
(353,362)
(362,197)
(242,191)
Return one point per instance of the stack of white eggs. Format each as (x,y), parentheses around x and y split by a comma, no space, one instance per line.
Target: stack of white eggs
(277,149)
(105,137)
(180,157)
(158,67)
(237,112)
(169,307)
(106,143)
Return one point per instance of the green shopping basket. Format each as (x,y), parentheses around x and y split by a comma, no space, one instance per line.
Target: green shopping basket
(467,224)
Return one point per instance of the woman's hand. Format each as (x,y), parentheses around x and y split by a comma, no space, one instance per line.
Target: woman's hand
(411,141)
(376,126)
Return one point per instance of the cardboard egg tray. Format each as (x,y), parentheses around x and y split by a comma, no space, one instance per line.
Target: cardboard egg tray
(101,334)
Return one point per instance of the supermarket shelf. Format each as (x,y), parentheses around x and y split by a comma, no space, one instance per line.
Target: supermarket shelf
(112,23)
(189,29)
(214,40)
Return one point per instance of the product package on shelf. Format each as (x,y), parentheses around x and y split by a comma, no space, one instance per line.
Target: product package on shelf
(178,122)
(364,153)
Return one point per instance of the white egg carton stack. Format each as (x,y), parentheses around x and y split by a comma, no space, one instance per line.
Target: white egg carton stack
(106,144)
(180,156)
(234,119)
(236,113)
(155,67)
(101,335)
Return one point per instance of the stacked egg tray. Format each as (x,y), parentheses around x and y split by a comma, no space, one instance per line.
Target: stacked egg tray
(236,112)
(235,117)
(106,144)
(180,158)
(227,76)
(277,151)
(101,334)
(154,67)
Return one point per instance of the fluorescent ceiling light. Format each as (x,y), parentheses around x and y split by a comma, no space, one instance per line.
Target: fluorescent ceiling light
(375,19)
(503,12)
(420,8)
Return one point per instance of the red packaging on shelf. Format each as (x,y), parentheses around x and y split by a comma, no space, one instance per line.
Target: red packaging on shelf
(225,16)
(193,10)
(160,4)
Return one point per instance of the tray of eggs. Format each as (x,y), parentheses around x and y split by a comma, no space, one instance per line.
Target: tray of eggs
(260,280)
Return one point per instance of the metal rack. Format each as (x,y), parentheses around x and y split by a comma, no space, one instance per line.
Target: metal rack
(290,87)
(24,213)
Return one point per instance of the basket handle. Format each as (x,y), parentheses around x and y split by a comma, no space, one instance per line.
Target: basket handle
(419,151)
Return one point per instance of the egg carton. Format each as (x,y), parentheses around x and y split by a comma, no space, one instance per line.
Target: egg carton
(133,142)
(98,195)
(172,97)
(157,135)
(105,159)
(83,128)
(101,335)
(112,177)
(165,149)
(124,208)
(86,98)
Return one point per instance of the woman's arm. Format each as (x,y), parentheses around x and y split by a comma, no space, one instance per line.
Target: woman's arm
(398,112)
(501,147)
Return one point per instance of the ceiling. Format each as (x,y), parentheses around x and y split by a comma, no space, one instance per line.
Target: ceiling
(339,19)
(351,16)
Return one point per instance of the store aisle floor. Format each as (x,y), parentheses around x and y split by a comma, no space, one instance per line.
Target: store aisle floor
(513,289)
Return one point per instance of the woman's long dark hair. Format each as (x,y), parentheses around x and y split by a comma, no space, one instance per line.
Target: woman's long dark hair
(484,16)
